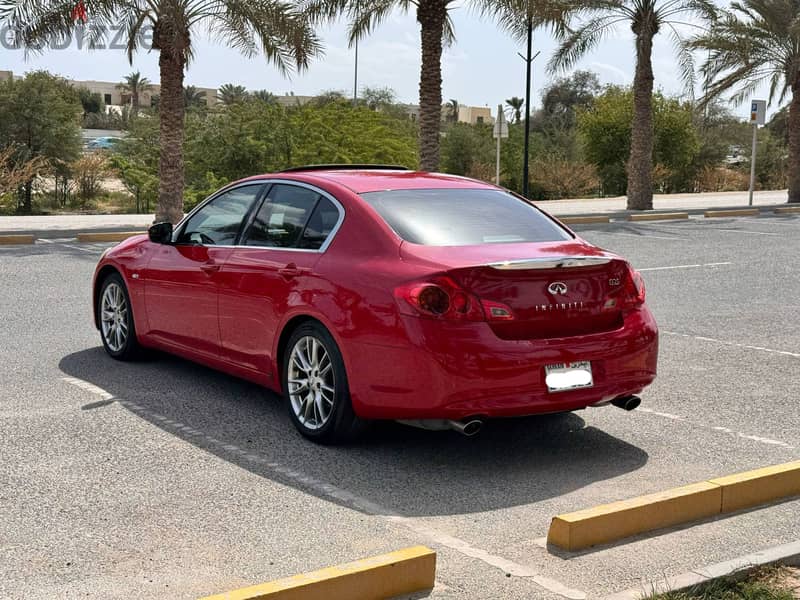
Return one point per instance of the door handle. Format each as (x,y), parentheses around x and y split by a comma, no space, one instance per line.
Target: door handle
(210,268)
(291,270)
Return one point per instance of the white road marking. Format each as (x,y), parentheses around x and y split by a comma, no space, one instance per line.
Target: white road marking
(734,344)
(726,430)
(697,266)
(743,231)
(648,236)
(367,506)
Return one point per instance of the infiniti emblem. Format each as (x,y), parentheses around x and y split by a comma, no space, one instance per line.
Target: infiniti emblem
(557,287)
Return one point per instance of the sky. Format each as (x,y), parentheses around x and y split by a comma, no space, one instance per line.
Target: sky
(481,68)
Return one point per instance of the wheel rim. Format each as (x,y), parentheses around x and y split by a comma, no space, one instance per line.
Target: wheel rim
(114,317)
(311,383)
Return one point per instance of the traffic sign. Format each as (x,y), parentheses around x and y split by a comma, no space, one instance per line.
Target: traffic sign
(500,125)
(758,112)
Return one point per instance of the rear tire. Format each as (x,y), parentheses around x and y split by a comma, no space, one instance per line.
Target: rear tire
(115,317)
(315,387)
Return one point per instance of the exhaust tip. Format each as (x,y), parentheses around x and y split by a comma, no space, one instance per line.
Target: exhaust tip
(468,428)
(627,402)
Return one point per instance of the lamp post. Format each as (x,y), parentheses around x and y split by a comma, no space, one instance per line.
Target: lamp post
(528,58)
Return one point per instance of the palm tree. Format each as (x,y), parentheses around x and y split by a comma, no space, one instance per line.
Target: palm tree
(134,85)
(230,94)
(646,18)
(265,96)
(753,43)
(436,30)
(193,97)
(452,110)
(272,28)
(516,105)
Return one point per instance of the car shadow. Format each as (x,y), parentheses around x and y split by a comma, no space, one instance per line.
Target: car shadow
(395,468)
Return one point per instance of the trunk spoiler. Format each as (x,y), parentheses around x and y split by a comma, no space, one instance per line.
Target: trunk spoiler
(557,262)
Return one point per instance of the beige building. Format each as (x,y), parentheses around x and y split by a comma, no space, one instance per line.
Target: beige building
(466,114)
(113,95)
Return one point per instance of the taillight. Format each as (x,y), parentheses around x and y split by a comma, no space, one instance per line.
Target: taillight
(630,295)
(442,298)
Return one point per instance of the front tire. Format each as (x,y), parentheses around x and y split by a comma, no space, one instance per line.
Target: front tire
(115,317)
(315,387)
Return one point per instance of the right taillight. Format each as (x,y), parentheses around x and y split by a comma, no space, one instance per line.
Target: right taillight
(442,298)
(634,292)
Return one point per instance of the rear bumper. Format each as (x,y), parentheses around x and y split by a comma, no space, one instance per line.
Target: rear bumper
(451,371)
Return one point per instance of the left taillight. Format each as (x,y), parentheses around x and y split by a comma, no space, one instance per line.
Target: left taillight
(442,298)
(630,295)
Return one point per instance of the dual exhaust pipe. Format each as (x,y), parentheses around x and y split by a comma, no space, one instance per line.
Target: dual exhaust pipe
(472,426)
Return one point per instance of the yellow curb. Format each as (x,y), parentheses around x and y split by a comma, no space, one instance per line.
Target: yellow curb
(401,572)
(611,522)
(17,239)
(745,490)
(658,216)
(785,210)
(584,220)
(737,212)
(108,236)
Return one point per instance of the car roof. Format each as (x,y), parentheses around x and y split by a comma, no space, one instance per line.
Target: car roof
(373,180)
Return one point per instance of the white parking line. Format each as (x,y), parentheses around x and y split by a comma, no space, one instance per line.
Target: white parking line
(67,245)
(649,237)
(697,266)
(744,231)
(322,488)
(735,344)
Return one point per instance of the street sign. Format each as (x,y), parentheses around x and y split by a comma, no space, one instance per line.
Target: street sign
(500,125)
(758,112)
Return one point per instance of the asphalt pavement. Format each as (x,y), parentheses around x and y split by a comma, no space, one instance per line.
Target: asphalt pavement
(162,479)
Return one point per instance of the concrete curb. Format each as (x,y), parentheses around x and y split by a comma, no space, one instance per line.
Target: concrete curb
(618,520)
(658,216)
(400,572)
(107,236)
(6,240)
(787,554)
(736,212)
(586,219)
(787,210)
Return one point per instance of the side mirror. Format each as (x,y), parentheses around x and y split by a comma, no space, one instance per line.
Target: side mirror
(160,233)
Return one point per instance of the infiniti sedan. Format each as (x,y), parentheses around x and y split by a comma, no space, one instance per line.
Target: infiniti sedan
(363,293)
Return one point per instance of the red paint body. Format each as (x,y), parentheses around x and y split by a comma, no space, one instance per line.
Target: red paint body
(227,307)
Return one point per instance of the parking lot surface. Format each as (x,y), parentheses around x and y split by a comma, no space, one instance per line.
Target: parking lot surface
(162,479)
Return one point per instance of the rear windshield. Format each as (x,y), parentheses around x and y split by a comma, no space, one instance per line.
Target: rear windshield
(456,217)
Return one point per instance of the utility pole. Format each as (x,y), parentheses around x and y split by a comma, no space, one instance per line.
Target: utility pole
(528,58)
(758,116)
(355,78)
(500,131)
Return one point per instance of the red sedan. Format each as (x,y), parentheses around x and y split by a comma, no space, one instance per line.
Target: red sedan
(365,293)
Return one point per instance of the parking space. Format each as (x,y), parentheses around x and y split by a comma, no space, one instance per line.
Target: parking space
(164,479)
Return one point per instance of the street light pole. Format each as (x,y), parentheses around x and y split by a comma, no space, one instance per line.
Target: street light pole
(528,61)
(355,78)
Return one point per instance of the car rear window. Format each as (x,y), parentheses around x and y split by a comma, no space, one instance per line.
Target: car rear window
(459,217)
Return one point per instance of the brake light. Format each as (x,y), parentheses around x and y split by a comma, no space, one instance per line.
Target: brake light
(442,298)
(630,295)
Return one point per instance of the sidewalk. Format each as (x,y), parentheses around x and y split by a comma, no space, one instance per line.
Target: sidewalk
(69,225)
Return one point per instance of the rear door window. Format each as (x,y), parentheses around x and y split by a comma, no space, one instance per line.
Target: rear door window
(462,217)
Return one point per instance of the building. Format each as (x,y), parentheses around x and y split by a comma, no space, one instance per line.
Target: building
(114,96)
(466,114)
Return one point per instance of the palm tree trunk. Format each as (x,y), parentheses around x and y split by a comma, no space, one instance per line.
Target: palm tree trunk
(640,162)
(170,169)
(431,15)
(135,102)
(794,143)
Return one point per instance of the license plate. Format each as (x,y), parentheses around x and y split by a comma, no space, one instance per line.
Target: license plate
(568,376)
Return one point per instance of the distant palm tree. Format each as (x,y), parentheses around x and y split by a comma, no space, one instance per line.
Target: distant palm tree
(452,111)
(266,96)
(646,18)
(275,29)
(230,94)
(757,42)
(134,85)
(193,97)
(436,31)
(516,105)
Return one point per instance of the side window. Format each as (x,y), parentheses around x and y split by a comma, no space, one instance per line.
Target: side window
(320,225)
(219,221)
(282,217)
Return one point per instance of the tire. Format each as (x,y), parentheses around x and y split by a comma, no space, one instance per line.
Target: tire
(315,389)
(115,316)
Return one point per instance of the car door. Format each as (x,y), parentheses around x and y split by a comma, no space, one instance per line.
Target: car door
(182,278)
(272,270)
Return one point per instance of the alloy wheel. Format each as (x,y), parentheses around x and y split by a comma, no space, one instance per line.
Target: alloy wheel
(311,382)
(114,317)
